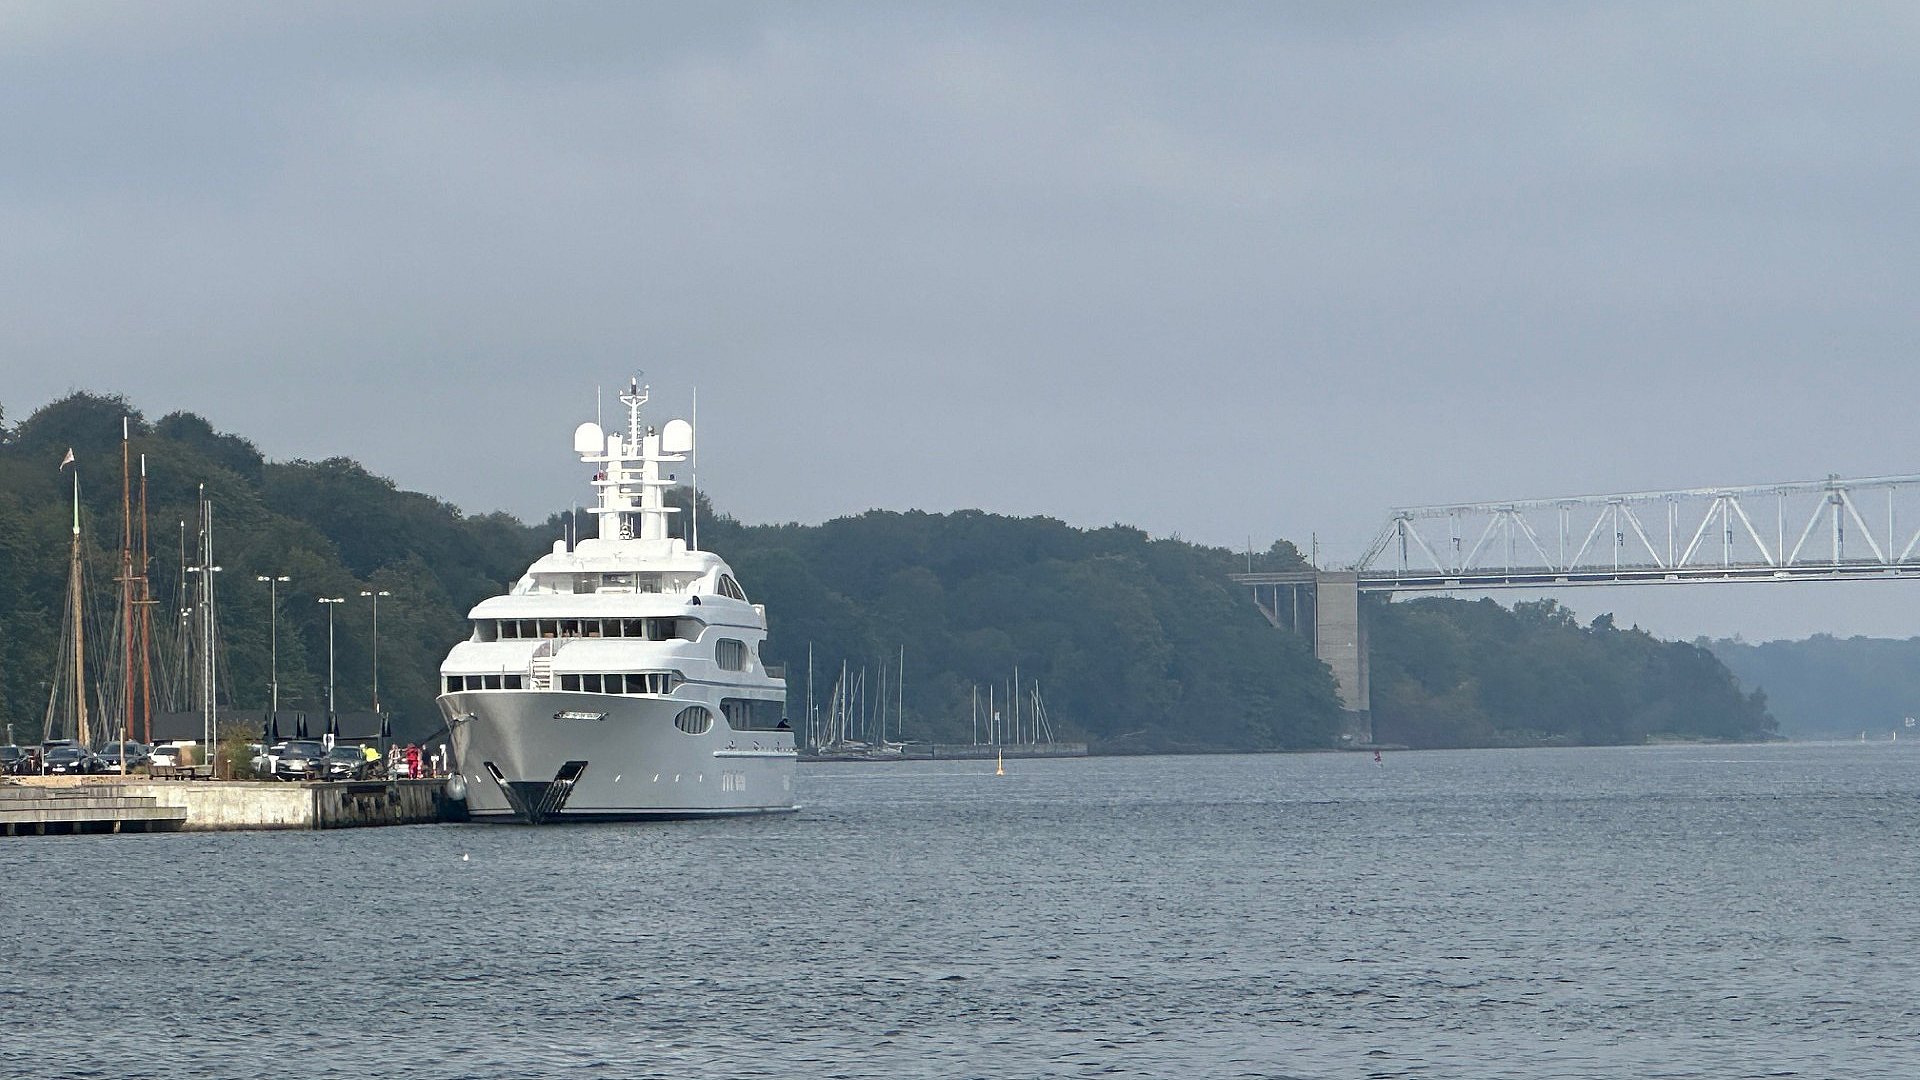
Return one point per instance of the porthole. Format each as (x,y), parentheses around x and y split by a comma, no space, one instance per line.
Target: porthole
(694,720)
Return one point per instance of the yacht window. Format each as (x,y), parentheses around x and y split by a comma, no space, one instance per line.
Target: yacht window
(507,629)
(485,629)
(584,583)
(569,627)
(590,683)
(621,582)
(752,714)
(730,654)
(730,587)
(590,627)
(454,685)
(688,629)
(633,628)
(569,682)
(493,682)
(694,720)
(636,684)
(511,682)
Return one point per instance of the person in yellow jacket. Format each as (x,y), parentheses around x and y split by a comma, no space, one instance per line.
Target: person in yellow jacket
(370,752)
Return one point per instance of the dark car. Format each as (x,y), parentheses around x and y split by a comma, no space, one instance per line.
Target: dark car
(303,759)
(346,762)
(16,761)
(136,754)
(71,761)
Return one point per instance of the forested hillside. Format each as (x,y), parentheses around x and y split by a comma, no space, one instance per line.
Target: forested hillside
(1472,673)
(331,527)
(1137,644)
(1828,686)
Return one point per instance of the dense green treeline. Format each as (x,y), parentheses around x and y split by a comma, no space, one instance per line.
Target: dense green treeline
(331,527)
(1137,644)
(1824,686)
(1460,673)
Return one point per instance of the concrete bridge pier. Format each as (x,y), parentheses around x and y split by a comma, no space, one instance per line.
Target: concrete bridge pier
(1324,606)
(1340,642)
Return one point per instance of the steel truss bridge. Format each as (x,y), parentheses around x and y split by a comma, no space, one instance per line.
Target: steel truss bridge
(1825,530)
(1835,529)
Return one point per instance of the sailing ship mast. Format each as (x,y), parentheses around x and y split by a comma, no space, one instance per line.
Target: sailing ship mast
(209,662)
(70,673)
(126,586)
(146,602)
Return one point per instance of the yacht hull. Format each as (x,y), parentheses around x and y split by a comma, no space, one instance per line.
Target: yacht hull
(547,756)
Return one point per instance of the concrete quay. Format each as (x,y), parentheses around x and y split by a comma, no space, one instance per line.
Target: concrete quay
(90,808)
(110,804)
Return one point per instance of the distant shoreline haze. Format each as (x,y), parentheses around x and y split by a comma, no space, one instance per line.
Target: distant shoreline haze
(1826,687)
(1137,645)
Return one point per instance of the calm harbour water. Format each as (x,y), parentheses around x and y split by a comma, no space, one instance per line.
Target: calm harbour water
(1653,912)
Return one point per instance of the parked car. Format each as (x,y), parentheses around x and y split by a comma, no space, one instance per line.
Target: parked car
(303,759)
(346,762)
(265,757)
(72,760)
(136,755)
(14,760)
(168,753)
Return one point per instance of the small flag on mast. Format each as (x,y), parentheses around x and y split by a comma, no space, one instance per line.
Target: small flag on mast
(68,460)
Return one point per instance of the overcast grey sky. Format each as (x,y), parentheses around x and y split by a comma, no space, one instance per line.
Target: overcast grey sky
(1225,270)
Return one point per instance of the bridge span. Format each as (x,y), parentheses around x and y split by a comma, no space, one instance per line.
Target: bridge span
(1836,529)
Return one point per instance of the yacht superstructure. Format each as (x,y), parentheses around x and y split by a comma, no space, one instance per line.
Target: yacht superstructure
(620,678)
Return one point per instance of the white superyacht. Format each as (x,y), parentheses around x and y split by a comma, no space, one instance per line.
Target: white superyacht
(620,679)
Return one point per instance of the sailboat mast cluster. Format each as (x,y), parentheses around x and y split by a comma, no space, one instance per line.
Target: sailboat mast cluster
(103,685)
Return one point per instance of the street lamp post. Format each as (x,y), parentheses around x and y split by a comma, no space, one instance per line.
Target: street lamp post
(273,638)
(330,601)
(376,646)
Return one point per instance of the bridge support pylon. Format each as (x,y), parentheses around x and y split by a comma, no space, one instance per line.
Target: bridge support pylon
(1340,642)
(1324,606)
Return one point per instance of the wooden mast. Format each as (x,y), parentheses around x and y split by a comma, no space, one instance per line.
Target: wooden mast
(83,731)
(126,586)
